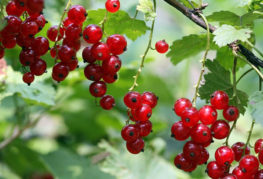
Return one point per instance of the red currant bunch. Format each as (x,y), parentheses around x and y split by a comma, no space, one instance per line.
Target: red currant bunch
(202,126)
(139,111)
(22,33)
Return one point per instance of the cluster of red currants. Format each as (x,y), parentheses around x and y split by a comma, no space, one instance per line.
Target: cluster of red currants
(22,33)
(139,111)
(194,152)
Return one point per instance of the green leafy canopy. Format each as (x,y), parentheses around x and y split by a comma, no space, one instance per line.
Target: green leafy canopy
(147,7)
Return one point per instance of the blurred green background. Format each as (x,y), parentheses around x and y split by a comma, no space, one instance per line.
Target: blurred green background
(77,136)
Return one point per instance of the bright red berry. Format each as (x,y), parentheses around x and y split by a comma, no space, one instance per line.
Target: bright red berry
(13,25)
(35,6)
(21,4)
(258,145)
(29,28)
(52,33)
(67,22)
(9,43)
(132,100)
(60,72)
(144,127)
(40,46)
(77,14)
(260,156)
(112,5)
(181,162)
(214,170)
(39,67)
(201,134)
(239,173)
(207,114)
(98,89)
(28,78)
(144,112)
(86,55)
(180,131)
(231,113)
(27,57)
(249,164)
(204,156)
(107,102)
(117,44)
(12,9)
(230,176)
(54,50)
(72,43)
(110,78)
(149,98)
(180,105)
(224,156)
(220,129)
(130,133)
(72,65)
(93,72)
(259,174)
(192,151)
(24,41)
(100,51)
(73,32)
(111,65)
(135,147)
(190,117)
(238,149)
(66,54)
(92,34)
(219,100)
(161,46)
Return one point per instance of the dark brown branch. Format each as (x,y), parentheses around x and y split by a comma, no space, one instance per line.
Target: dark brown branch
(199,21)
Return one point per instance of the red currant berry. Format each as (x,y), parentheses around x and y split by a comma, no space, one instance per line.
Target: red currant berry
(149,98)
(2,52)
(72,43)
(13,24)
(86,55)
(9,43)
(224,156)
(239,173)
(66,54)
(35,6)
(180,131)
(112,5)
(73,32)
(29,28)
(219,100)
(208,115)
(117,44)
(72,65)
(181,162)
(132,115)
(52,33)
(231,113)
(220,129)
(192,151)
(201,134)
(161,46)
(110,78)
(192,168)
(111,65)
(54,50)
(100,51)
(144,127)
(238,149)
(230,176)
(258,145)
(40,46)
(39,67)
(144,112)
(24,41)
(135,147)
(259,174)
(21,4)
(190,117)
(60,72)
(12,9)
(130,133)
(249,164)
(98,89)
(93,72)
(92,34)
(27,57)
(107,102)
(132,100)
(41,21)
(28,78)
(204,156)
(214,170)
(181,104)
(67,22)
(260,156)
(77,14)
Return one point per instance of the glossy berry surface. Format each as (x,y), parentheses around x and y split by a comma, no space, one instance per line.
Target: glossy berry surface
(180,105)
(231,113)
(87,56)
(204,156)
(260,156)
(161,46)
(238,149)
(207,115)
(259,174)
(149,98)
(35,6)
(27,57)
(93,72)
(230,176)
(258,145)
(40,46)
(145,128)
(112,5)
(52,33)
(60,72)
(77,14)
(28,78)
(111,65)
(190,117)
(249,164)
(132,100)
(130,133)
(201,134)
(220,129)
(100,51)
(66,54)
(98,89)
(224,156)
(179,131)
(144,112)
(219,100)
(181,162)
(117,44)
(214,170)
(136,146)
(73,32)
(39,67)
(92,34)
(192,151)
(239,173)
(12,9)
(109,78)
(107,102)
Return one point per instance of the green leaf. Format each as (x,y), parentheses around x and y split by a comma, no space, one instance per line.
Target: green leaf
(132,28)
(243,3)
(255,106)
(227,34)
(186,47)
(196,3)
(220,79)
(67,165)
(146,6)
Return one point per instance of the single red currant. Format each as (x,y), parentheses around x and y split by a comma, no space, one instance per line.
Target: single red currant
(40,46)
(161,46)
(180,105)
(21,4)
(92,34)
(180,131)
(220,129)
(132,100)
(13,24)
(117,44)
(144,112)
(249,164)
(27,57)
(12,9)
(239,173)
(77,14)
(111,65)
(144,127)
(207,115)
(135,147)
(238,149)
(224,156)
(100,51)
(60,72)
(110,78)
(35,6)
(201,134)
(39,67)
(54,50)
(192,151)
(52,33)
(190,117)
(107,102)
(149,98)
(112,5)
(28,78)
(93,72)
(72,65)
(29,28)
(204,156)
(231,113)
(258,145)
(66,54)
(86,55)
(67,22)
(72,43)
(9,43)
(24,41)
(219,100)
(214,170)
(73,32)
(181,162)
(98,89)
(130,133)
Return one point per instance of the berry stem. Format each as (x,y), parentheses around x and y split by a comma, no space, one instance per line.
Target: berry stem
(135,84)
(203,61)
(136,13)
(104,21)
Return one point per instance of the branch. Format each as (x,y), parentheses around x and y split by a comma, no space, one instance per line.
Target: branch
(192,15)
